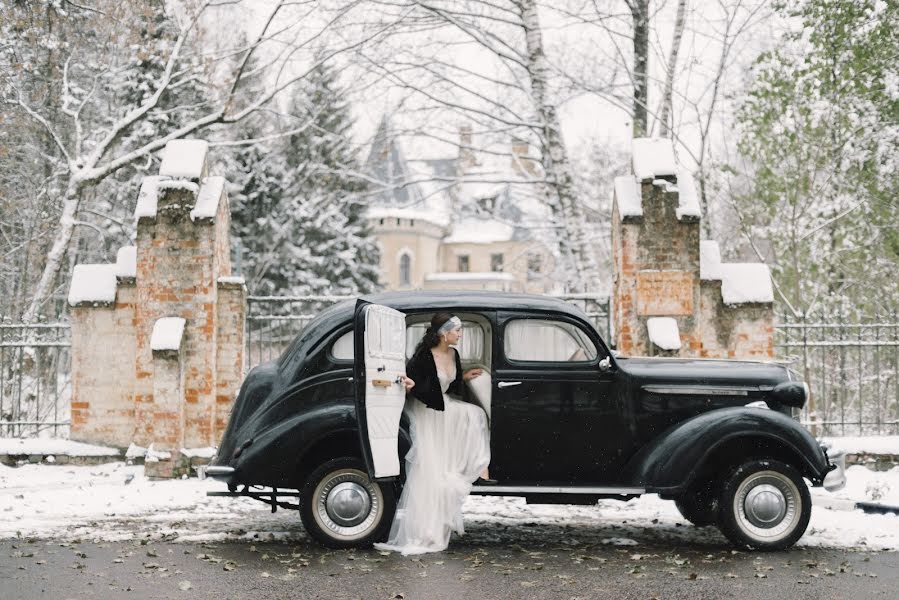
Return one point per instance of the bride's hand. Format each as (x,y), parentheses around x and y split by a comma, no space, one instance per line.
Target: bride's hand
(471,374)
(407,383)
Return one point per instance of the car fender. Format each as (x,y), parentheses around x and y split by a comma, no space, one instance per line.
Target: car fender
(670,462)
(276,452)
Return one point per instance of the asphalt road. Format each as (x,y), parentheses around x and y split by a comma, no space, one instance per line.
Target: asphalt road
(530,567)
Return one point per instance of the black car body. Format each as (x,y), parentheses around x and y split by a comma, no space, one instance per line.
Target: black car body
(562,430)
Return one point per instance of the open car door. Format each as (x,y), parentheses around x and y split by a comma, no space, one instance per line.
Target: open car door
(380,356)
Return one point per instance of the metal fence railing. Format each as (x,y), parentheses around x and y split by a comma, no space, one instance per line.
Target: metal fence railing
(852,369)
(34,379)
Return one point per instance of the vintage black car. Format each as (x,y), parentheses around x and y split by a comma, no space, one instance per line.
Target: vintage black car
(570,422)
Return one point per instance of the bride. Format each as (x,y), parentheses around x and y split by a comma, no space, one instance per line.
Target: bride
(450,444)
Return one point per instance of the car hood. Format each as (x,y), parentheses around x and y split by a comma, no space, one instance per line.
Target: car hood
(704,372)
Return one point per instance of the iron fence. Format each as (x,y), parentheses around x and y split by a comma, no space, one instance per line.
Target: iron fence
(852,369)
(34,379)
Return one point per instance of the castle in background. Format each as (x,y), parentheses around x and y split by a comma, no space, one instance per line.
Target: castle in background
(448,216)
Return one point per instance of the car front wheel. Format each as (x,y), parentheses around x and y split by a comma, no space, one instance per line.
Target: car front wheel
(764,505)
(342,508)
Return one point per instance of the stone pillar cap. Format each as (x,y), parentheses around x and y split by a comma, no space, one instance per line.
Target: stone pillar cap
(167,334)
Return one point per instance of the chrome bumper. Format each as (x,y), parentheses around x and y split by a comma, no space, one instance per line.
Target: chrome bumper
(836,479)
(213,471)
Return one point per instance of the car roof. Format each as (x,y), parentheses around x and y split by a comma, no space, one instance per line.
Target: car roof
(421,301)
(471,300)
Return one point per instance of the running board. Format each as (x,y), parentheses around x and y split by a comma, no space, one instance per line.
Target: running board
(528,490)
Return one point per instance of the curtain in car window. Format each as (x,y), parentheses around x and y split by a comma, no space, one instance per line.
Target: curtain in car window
(470,349)
(546,341)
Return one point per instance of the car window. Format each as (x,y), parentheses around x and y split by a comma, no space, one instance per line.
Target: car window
(544,340)
(470,350)
(342,349)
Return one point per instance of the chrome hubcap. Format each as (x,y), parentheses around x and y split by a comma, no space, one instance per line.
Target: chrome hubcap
(768,506)
(348,503)
(765,506)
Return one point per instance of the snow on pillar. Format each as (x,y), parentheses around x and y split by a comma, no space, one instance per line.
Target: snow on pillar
(656,256)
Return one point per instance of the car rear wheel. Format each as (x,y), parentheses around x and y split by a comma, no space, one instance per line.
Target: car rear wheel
(764,505)
(342,508)
(699,504)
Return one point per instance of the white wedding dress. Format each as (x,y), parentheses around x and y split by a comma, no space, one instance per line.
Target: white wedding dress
(450,449)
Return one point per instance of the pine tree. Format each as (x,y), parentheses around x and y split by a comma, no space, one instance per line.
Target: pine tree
(297,206)
(324,180)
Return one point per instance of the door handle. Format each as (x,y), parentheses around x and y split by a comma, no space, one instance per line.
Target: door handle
(503,384)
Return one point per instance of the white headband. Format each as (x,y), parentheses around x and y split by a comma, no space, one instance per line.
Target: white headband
(451,324)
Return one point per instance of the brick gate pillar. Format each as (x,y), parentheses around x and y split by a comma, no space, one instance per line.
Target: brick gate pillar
(671,294)
(181,270)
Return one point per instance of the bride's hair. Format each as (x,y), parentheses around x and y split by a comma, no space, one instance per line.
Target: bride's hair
(431,337)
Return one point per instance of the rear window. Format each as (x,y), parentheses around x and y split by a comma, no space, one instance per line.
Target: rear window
(544,340)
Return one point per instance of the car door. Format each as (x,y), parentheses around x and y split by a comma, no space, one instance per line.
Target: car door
(556,414)
(380,356)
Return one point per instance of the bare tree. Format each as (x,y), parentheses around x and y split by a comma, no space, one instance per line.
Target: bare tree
(88,154)
(665,112)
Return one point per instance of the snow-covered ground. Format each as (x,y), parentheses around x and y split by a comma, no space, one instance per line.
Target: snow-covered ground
(115,501)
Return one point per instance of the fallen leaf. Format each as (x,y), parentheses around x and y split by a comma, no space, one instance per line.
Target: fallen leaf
(184,585)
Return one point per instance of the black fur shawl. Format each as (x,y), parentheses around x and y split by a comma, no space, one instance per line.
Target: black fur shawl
(423,371)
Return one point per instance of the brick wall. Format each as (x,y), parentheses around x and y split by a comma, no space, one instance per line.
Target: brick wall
(123,391)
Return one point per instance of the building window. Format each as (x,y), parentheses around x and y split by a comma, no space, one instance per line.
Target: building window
(463,263)
(405,269)
(535,266)
(496,262)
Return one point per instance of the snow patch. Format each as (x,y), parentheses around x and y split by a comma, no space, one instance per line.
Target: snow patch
(742,283)
(232,280)
(207,452)
(126,262)
(881,444)
(688,199)
(118,502)
(653,157)
(148,197)
(208,199)
(167,333)
(709,260)
(663,332)
(184,158)
(21,446)
(154,455)
(478,231)
(431,216)
(178,184)
(135,451)
(93,283)
(627,192)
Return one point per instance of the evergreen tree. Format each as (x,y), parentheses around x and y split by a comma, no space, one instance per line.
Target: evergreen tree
(819,130)
(297,207)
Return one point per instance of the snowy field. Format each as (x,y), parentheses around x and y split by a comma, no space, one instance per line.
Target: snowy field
(116,502)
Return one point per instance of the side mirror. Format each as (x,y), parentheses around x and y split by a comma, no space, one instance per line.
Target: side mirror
(605,364)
